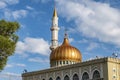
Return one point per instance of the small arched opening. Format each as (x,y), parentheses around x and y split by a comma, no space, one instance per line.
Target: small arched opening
(58,78)
(50,79)
(96,74)
(75,77)
(85,76)
(66,77)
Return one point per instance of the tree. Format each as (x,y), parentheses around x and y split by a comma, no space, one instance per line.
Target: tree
(8,40)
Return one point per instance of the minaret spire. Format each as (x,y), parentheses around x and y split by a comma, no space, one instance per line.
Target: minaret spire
(55,13)
(54,30)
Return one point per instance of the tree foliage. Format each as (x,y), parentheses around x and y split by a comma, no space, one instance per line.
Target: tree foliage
(8,40)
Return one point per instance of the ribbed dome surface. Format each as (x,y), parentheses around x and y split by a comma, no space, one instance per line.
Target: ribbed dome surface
(66,52)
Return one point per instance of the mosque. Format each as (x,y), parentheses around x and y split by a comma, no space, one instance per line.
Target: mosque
(66,62)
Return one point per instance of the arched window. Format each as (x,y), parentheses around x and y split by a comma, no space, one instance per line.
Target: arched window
(66,78)
(75,77)
(43,79)
(96,75)
(50,79)
(85,76)
(58,78)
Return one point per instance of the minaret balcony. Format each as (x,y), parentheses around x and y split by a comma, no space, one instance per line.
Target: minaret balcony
(54,28)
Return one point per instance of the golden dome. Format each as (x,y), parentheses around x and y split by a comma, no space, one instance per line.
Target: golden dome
(66,52)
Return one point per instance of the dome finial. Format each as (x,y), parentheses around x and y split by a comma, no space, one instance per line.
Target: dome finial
(66,35)
(66,41)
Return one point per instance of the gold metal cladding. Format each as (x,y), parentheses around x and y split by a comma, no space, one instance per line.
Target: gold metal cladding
(66,52)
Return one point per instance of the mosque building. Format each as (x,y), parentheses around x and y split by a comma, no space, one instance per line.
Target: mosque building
(66,62)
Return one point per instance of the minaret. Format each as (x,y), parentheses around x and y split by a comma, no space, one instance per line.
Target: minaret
(54,29)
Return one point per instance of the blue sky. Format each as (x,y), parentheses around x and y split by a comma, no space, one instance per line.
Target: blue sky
(93,27)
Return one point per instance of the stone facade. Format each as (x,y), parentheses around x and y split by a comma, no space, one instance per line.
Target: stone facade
(97,69)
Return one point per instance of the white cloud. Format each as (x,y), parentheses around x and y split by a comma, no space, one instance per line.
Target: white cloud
(93,19)
(71,30)
(38,60)
(29,8)
(7,13)
(42,1)
(2,4)
(15,65)
(92,46)
(15,14)
(33,45)
(9,75)
(19,13)
(71,40)
(83,41)
(9,66)
(5,3)
(20,65)
(45,1)
(11,1)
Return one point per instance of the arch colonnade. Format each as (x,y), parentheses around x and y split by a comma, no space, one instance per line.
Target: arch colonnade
(85,76)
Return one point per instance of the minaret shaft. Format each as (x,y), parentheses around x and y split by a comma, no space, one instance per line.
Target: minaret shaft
(54,31)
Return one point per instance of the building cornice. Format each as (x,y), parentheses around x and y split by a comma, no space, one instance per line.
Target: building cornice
(81,64)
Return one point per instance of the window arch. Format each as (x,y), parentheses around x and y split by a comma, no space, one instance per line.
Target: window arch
(66,77)
(75,77)
(58,78)
(96,74)
(85,76)
(50,79)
